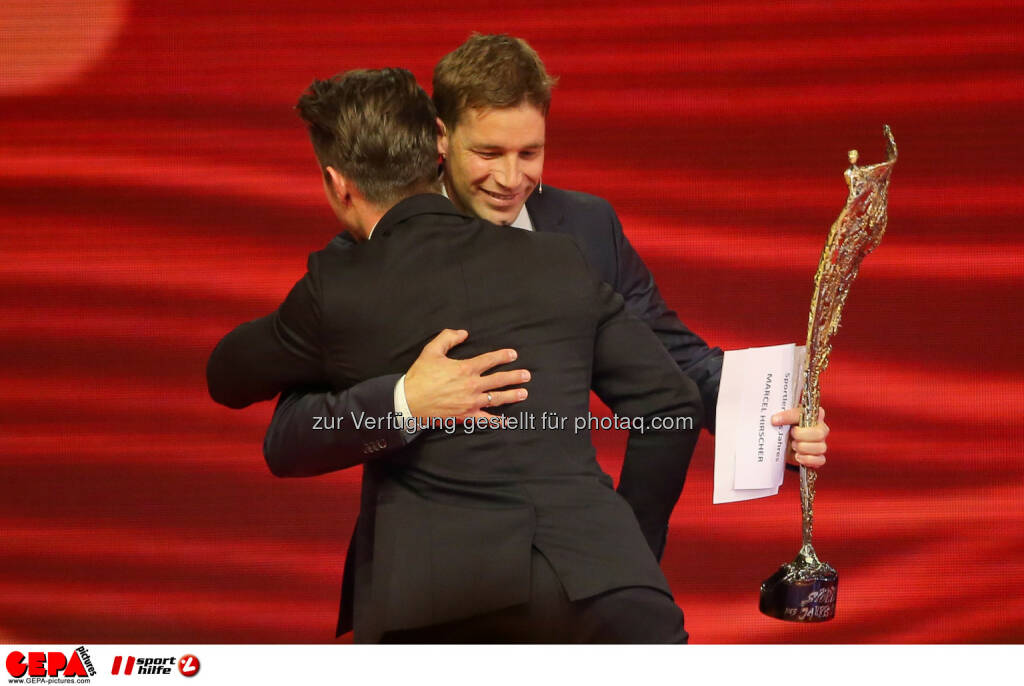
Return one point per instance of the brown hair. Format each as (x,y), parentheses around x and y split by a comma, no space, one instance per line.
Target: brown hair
(376,127)
(490,71)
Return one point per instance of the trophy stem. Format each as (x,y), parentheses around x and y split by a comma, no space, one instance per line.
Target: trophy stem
(804,590)
(807,479)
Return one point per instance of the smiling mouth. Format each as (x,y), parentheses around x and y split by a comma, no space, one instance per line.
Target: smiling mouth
(503,198)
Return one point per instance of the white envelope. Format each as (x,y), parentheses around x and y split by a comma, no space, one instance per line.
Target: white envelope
(749,452)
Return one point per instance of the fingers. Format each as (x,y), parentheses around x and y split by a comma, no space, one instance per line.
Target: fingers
(808,443)
(502,379)
(445,341)
(812,461)
(805,459)
(497,398)
(809,448)
(790,416)
(481,363)
(817,433)
(449,338)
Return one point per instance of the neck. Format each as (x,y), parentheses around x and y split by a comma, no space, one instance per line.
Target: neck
(364,220)
(446,184)
(365,216)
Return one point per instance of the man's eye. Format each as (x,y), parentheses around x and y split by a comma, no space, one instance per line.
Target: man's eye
(528,154)
(487,155)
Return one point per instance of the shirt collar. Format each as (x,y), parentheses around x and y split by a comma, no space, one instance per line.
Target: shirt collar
(523,220)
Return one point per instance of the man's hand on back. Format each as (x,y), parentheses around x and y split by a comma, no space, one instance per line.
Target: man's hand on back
(438,386)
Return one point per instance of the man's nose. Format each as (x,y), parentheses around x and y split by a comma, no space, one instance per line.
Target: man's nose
(508,173)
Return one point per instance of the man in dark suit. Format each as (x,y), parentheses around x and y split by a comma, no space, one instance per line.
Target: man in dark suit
(507,531)
(492,94)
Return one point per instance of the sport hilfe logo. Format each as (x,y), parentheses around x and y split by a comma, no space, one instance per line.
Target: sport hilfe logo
(188,665)
(51,663)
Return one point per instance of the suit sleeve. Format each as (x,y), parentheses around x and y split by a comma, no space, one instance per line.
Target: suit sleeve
(634,281)
(261,358)
(634,375)
(294,446)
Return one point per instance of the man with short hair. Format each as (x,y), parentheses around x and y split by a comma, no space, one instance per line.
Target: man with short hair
(492,94)
(506,531)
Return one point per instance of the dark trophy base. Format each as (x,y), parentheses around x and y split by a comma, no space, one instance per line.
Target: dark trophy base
(799,594)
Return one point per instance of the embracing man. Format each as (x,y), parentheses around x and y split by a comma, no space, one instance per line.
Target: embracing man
(492,531)
(492,94)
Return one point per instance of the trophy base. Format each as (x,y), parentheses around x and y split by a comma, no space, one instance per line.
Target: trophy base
(799,594)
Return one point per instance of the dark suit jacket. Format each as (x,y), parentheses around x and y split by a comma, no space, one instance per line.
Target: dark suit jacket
(652,487)
(446,524)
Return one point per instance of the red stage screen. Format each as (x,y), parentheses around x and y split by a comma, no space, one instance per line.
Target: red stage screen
(157,189)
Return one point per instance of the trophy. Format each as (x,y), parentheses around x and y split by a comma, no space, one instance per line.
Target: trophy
(804,590)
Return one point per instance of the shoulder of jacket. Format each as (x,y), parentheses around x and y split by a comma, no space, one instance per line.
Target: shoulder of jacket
(538,243)
(338,248)
(576,199)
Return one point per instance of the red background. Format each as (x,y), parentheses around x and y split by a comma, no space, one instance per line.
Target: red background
(165,192)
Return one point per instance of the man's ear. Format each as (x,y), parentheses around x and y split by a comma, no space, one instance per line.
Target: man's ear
(442,138)
(338,185)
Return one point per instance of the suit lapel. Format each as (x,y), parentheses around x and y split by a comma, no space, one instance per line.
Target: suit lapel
(544,213)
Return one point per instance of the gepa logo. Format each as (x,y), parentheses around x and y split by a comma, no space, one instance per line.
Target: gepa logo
(51,663)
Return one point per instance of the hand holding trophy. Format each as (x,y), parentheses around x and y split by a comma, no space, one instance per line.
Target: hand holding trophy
(804,590)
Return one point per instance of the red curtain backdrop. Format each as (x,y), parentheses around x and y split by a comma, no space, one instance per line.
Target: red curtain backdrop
(157,189)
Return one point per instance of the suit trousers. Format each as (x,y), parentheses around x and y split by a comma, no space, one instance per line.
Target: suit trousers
(635,614)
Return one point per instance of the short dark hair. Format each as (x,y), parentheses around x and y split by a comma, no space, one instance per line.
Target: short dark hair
(490,71)
(376,127)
